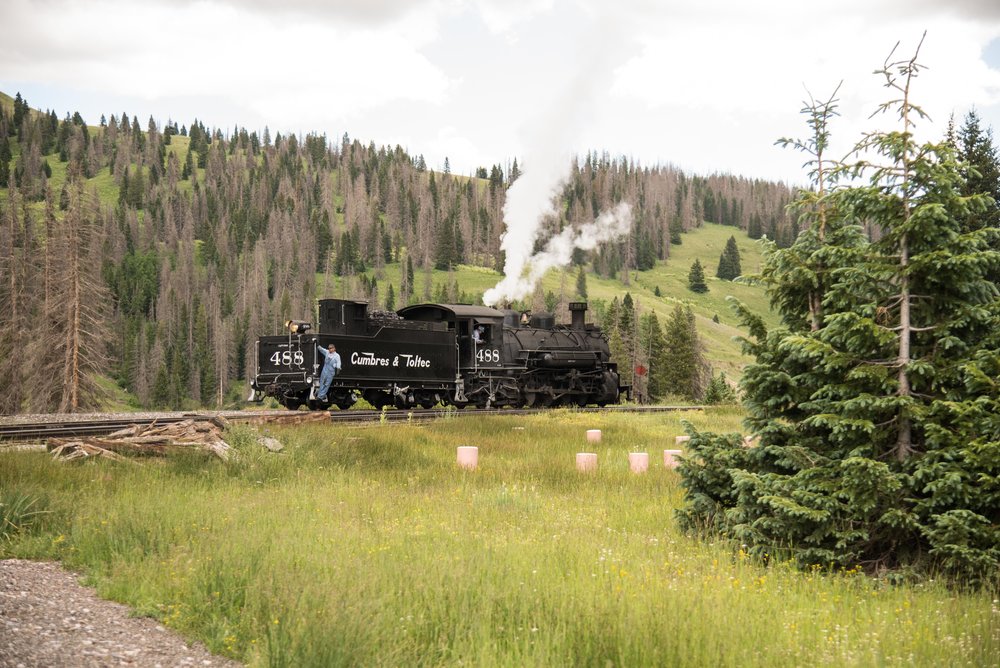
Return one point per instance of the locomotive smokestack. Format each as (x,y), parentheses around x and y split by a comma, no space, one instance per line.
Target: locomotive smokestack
(578,315)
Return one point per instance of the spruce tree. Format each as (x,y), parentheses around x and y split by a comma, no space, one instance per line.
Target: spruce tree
(656,347)
(981,168)
(719,390)
(683,367)
(696,278)
(675,231)
(879,442)
(729,262)
(5,158)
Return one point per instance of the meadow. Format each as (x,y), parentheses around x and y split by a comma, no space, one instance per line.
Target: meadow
(369,546)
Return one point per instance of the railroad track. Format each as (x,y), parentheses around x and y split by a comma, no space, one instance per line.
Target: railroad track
(37,429)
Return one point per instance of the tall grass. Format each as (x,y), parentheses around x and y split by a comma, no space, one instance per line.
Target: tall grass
(368,546)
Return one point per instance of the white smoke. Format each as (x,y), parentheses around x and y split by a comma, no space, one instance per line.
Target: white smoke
(519,280)
(549,141)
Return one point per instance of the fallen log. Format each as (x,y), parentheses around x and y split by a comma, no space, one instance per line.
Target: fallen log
(145,441)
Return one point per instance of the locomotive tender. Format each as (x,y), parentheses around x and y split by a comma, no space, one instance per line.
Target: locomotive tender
(426,353)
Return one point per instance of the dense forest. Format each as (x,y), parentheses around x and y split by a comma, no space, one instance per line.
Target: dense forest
(154,256)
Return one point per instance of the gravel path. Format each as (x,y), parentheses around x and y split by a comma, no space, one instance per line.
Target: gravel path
(48,619)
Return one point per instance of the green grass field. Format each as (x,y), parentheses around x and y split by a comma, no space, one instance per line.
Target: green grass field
(369,546)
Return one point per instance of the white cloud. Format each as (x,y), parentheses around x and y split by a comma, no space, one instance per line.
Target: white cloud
(707,86)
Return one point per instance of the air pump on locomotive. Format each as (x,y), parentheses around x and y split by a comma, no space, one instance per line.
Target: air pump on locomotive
(426,353)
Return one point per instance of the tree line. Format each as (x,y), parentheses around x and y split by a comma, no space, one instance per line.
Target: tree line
(189,242)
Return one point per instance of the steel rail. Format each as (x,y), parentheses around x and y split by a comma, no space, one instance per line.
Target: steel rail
(96,425)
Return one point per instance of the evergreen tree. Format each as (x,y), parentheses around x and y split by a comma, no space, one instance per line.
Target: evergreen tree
(729,262)
(390,298)
(656,347)
(188,169)
(696,278)
(675,231)
(581,283)
(719,391)
(981,168)
(683,367)
(20,111)
(879,442)
(5,158)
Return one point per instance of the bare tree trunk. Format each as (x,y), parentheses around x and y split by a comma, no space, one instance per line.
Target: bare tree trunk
(904,438)
(71,345)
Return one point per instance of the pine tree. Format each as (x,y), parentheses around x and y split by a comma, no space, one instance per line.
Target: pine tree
(656,347)
(188,169)
(683,367)
(981,168)
(675,231)
(879,442)
(390,298)
(5,158)
(729,262)
(696,278)
(719,391)
(581,283)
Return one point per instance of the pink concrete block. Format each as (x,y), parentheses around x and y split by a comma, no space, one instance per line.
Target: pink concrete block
(468,456)
(586,461)
(593,436)
(638,462)
(670,458)
(681,439)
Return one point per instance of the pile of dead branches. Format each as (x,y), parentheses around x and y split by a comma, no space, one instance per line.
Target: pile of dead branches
(146,440)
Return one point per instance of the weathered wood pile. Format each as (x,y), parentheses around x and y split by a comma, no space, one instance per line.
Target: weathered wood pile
(146,440)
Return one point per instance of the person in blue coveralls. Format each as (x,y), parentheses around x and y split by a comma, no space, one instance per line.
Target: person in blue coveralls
(331,367)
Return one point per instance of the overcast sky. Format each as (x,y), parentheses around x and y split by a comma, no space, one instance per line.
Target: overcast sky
(706,85)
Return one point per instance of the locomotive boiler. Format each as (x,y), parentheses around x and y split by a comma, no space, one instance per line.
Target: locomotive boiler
(454,354)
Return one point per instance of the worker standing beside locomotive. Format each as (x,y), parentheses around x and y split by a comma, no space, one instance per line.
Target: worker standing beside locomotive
(331,366)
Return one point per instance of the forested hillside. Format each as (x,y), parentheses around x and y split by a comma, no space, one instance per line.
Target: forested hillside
(154,254)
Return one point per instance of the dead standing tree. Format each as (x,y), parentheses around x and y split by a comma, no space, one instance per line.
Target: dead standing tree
(80,335)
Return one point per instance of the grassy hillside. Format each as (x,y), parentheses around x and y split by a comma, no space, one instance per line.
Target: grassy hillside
(668,278)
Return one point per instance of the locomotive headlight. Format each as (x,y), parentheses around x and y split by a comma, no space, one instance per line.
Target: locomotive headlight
(297,326)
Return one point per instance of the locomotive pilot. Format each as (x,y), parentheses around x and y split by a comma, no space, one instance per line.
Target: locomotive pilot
(331,367)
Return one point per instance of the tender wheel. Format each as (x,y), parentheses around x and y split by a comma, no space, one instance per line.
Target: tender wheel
(378,399)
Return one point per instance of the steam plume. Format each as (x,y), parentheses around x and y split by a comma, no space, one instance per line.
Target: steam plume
(530,200)
(520,279)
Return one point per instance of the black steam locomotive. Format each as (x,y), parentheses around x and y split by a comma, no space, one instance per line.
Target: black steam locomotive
(428,353)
